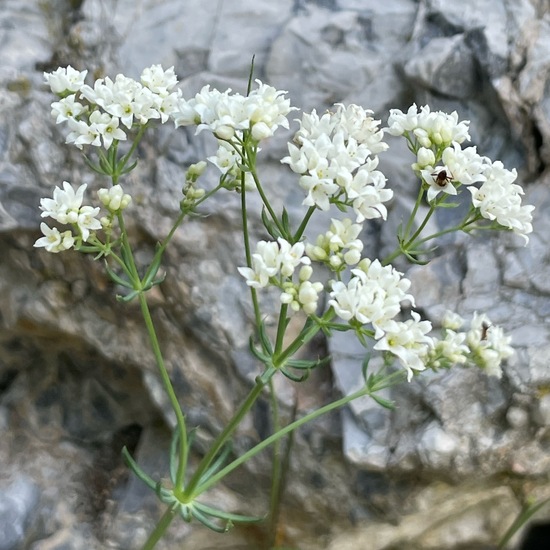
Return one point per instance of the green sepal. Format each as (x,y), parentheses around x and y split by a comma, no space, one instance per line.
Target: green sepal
(132,464)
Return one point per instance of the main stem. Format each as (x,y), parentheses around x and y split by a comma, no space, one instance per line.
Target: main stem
(169,390)
(160,529)
(261,381)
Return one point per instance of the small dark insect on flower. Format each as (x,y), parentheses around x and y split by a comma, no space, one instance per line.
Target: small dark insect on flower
(442,178)
(484,328)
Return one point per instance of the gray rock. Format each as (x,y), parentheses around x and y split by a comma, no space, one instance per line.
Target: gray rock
(18,506)
(76,366)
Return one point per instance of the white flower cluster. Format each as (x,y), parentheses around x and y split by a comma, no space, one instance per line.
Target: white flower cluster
(428,128)
(95,115)
(227,115)
(66,208)
(274,263)
(436,137)
(498,198)
(262,111)
(483,344)
(339,246)
(335,155)
(373,296)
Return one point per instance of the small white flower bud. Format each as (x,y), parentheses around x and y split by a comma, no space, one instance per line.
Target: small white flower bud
(261,130)
(196,170)
(306,272)
(335,261)
(351,257)
(425,157)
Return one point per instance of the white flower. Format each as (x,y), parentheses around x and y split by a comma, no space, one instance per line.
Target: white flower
(87,221)
(409,341)
(83,133)
(65,80)
(53,240)
(64,204)
(66,207)
(67,108)
(452,320)
(358,124)
(291,256)
(439,180)
(368,194)
(271,259)
(465,165)
(399,123)
(107,127)
(158,80)
(488,345)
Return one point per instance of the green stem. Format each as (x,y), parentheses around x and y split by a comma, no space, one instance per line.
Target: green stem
(414,212)
(261,381)
(169,390)
(276,469)
(276,436)
(309,330)
(160,529)
(305,221)
(281,329)
(266,202)
(247,251)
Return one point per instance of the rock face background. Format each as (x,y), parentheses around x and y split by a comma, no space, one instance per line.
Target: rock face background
(450,467)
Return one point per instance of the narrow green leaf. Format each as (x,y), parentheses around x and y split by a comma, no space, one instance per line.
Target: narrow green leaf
(236,518)
(294,377)
(200,516)
(116,278)
(129,297)
(527,512)
(386,403)
(218,463)
(264,339)
(270,225)
(132,464)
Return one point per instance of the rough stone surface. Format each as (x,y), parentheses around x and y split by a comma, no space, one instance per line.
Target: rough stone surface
(450,465)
